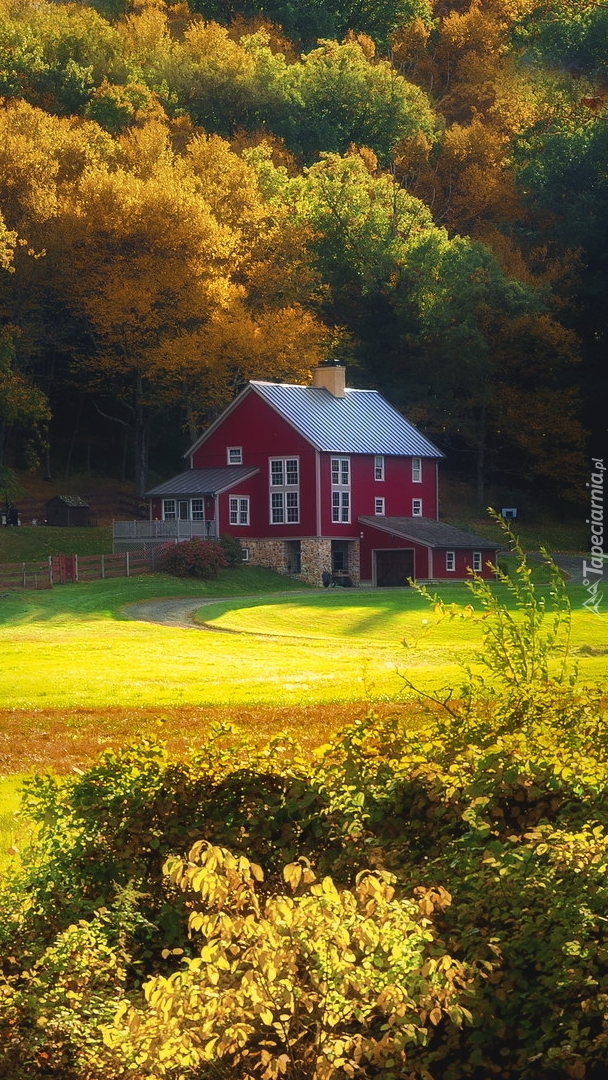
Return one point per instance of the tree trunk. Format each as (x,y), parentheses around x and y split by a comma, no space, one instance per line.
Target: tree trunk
(480,463)
(73,439)
(190,421)
(141,431)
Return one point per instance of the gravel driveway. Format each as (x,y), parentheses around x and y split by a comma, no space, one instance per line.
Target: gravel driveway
(170,612)
(181,612)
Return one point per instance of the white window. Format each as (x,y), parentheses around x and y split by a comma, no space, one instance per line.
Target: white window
(416,470)
(234,455)
(378,468)
(284,507)
(379,507)
(340,493)
(284,491)
(245,554)
(239,510)
(169,510)
(416,507)
(198,510)
(284,472)
(340,506)
(477,562)
(340,472)
(450,560)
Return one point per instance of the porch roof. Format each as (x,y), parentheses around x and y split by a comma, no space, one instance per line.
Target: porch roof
(199,482)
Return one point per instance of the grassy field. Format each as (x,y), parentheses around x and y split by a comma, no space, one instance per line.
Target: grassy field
(79,675)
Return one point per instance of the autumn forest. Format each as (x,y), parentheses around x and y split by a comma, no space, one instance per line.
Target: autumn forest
(193,195)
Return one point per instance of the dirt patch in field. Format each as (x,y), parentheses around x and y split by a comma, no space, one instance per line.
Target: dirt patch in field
(38,740)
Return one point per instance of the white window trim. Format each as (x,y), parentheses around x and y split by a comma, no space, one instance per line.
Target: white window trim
(234,450)
(239,499)
(173,513)
(342,460)
(379,506)
(201,512)
(477,559)
(450,558)
(342,489)
(337,512)
(417,512)
(416,470)
(379,467)
(284,490)
(245,554)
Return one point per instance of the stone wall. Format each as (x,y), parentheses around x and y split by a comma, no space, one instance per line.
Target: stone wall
(315,556)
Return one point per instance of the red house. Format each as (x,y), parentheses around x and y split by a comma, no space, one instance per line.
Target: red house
(319,479)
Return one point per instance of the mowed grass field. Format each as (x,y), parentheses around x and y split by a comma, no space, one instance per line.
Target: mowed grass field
(78,675)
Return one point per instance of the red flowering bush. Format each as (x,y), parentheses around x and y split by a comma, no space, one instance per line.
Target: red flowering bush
(193,558)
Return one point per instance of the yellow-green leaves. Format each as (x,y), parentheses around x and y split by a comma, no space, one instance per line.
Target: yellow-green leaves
(323,982)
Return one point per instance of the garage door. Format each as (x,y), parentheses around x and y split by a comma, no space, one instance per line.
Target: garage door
(394,567)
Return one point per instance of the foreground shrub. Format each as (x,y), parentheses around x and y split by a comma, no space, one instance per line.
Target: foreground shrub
(193,558)
(319,983)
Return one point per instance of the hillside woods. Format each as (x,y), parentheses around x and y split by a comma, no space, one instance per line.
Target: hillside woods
(195,196)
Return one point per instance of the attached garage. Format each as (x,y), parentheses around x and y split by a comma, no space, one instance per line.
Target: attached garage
(393,567)
(424,549)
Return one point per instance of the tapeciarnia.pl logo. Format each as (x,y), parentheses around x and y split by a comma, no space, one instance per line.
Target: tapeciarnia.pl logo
(593,571)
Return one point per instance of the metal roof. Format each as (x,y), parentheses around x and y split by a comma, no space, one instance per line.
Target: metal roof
(427,531)
(199,482)
(68,500)
(361,422)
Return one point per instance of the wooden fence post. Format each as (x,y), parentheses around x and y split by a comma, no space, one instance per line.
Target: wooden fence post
(51,571)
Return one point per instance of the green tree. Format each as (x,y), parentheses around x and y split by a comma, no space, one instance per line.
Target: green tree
(339,94)
(54,55)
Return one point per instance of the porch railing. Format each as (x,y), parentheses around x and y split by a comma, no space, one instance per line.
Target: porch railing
(163,530)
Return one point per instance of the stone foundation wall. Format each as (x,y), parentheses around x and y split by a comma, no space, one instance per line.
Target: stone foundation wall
(315,558)
(271,553)
(354,561)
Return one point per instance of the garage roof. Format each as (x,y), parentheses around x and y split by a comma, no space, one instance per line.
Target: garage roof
(431,533)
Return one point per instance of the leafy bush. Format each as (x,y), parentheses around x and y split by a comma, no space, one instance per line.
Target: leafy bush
(193,558)
(232,549)
(321,983)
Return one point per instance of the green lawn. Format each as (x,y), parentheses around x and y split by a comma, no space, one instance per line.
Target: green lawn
(30,543)
(73,647)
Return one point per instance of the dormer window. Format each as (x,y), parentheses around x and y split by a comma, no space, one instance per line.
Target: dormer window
(234,455)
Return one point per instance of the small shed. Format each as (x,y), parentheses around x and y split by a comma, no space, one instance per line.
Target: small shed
(67,510)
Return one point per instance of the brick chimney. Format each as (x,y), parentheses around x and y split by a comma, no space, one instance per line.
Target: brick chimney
(330,375)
